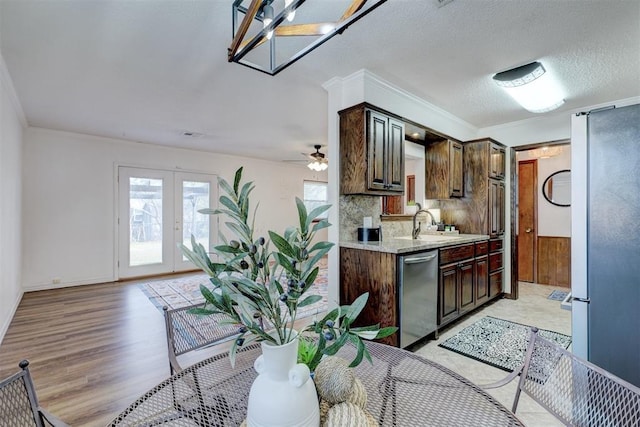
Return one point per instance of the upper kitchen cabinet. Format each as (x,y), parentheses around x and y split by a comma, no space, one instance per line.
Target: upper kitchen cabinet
(496,161)
(484,191)
(371,151)
(444,170)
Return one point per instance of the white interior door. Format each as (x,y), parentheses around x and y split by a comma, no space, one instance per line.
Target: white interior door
(157,210)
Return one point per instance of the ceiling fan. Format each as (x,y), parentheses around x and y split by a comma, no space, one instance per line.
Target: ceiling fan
(315,161)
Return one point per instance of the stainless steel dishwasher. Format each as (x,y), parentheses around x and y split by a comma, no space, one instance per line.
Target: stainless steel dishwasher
(418,295)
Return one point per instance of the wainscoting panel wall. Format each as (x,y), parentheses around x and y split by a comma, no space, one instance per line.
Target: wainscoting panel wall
(554,261)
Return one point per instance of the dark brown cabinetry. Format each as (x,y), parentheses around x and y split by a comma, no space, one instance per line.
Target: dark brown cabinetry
(371,151)
(496,208)
(482,211)
(496,161)
(463,279)
(482,273)
(496,267)
(374,272)
(444,172)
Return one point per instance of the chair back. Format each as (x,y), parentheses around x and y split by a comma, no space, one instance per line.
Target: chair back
(18,401)
(187,331)
(575,391)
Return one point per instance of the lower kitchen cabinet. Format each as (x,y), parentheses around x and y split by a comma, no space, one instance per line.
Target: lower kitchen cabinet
(456,290)
(374,272)
(467,282)
(496,267)
(464,280)
(482,279)
(495,283)
(448,293)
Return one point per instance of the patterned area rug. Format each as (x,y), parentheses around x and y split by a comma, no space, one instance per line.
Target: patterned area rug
(497,342)
(183,291)
(557,295)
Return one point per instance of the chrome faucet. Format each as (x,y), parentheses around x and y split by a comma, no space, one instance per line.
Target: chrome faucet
(416,230)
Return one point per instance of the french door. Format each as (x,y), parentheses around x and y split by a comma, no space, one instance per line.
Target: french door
(157,210)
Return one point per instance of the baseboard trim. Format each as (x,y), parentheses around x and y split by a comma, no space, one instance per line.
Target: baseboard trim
(46,286)
(7,321)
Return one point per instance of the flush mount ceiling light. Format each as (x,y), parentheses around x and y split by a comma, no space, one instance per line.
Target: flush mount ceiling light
(270,35)
(532,87)
(318,162)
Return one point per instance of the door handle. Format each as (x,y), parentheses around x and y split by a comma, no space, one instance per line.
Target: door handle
(528,230)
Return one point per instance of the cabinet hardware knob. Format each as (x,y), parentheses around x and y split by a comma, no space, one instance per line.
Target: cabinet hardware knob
(528,230)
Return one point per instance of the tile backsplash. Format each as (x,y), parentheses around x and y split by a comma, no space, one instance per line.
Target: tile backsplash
(352,211)
(354,208)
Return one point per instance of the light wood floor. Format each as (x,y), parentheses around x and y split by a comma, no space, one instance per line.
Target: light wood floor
(92,349)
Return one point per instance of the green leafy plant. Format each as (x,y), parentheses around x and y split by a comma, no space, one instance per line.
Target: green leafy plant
(261,290)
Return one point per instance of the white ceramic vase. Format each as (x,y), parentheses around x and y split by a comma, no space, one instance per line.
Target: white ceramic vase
(283,394)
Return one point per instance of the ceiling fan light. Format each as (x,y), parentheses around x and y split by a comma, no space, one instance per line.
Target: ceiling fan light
(319,162)
(532,87)
(318,166)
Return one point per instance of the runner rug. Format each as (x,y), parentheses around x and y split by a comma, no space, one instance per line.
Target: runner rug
(497,342)
(182,291)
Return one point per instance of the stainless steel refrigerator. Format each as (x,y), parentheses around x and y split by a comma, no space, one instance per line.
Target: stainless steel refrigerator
(605,239)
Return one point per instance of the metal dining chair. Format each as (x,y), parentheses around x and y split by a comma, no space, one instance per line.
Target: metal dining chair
(187,332)
(19,405)
(576,392)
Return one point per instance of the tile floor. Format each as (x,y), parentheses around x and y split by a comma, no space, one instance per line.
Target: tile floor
(532,308)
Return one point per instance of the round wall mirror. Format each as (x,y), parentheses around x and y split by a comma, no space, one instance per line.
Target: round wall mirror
(557,188)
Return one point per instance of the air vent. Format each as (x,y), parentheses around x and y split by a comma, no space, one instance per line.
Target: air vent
(441,3)
(190,134)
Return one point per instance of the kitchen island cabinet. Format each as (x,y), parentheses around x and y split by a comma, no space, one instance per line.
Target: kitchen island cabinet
(373,267)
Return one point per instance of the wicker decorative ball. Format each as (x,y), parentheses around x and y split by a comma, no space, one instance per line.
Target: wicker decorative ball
(334,379)
(348,415)
(358,395)
(324,409)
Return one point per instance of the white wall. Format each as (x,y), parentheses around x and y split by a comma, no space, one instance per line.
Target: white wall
(11,128)
(70,199)
(554,221)
(554,126)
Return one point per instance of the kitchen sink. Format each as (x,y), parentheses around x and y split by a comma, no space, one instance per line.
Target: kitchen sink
(430,237)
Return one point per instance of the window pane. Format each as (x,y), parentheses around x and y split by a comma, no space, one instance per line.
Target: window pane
(315,194)
(195,196)
(145,221)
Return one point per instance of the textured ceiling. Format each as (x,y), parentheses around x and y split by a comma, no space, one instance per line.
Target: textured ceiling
(149,70)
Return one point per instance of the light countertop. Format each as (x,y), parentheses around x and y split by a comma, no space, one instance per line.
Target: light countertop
(407,245)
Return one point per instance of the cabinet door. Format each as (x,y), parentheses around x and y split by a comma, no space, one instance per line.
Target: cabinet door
(377,135)
(495,283)
(395,156)
(495,208)
(500,208)
(448,295)
(456,174)
(466,275)
(496,162)
(482,279)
